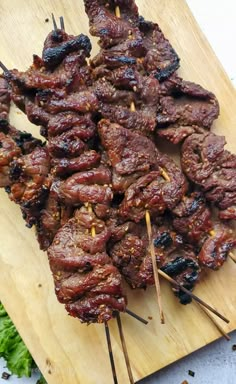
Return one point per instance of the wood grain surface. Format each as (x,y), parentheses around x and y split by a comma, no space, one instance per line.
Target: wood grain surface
(66,351)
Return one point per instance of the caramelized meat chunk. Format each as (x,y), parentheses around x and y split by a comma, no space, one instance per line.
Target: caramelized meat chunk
(85,280)
(29,175)
(192,217)
(87,187)
(217,246)
(131,155)
(206,163)
(161,58)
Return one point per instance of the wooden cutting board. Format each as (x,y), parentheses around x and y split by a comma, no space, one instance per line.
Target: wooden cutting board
(65,350)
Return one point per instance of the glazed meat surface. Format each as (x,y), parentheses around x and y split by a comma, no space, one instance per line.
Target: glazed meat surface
(186,104)
(161,58)
(130,253)
(205,161)
(131,155)
(192,217)
(217,246)
(87,187)
(4,102)
(85,280)
(29,175)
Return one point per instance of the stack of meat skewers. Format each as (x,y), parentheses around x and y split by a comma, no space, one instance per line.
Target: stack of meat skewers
(88,189)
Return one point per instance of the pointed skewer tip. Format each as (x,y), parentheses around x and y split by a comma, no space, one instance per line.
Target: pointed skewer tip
(54,22)
(62,23)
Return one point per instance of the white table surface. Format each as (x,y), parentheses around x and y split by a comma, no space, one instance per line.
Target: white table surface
(216,363)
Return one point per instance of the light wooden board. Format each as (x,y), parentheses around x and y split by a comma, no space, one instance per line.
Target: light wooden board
(65,350)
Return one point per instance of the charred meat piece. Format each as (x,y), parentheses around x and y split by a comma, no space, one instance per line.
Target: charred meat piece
(81,102)
(127,8)
(105,24)
(87,187)
(186,104)
(9,150)
(183,267)
(129,251)
(4,102)
(24,140)
(64,166)
(67,144)
(13,143)
(131,155)
(177,260)
(154,192)
(59,45)
(65,121)
(126,77)
(176,134)
(30,178)
(127,52)
(192,217)
(217,246)
(50,218)
(34,79)
(207,164)
(141,121)
(107,93)
(85,280)
(36,114)
(145,98)
(161,59)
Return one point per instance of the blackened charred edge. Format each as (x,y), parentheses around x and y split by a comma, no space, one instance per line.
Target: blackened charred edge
(54,56)
(164,240)
(168,71)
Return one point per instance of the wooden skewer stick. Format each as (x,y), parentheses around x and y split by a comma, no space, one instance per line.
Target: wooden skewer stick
(117,11)
(108,337)
(196,298)
(154,265)
(132,107)
(231,255)
(4,68)
(218,326)
(122,338)
(113,368)
(152,252)
(62,23)
(54,22)
(137,317)
(125,352)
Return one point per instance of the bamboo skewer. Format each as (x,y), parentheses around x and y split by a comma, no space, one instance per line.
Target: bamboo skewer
(117,11)
(107,331)
(125,352)
(113,368)
(137,317)
(218,326)
(54,22)
(154,265)
(152,252)
(62,23)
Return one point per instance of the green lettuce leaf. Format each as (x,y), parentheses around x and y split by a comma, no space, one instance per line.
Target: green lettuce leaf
(12,348)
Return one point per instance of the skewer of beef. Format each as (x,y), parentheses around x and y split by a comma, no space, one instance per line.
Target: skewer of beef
(68,146)
(184,106)
(104,71)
